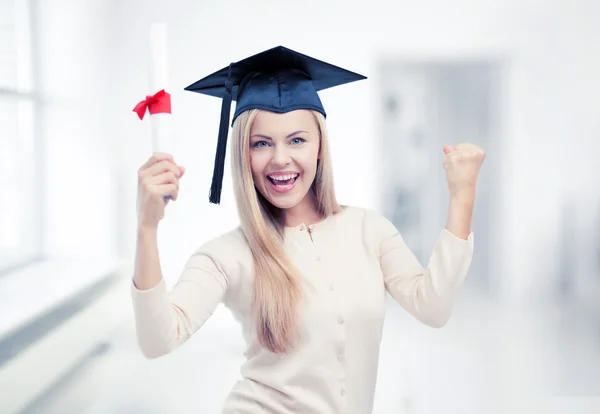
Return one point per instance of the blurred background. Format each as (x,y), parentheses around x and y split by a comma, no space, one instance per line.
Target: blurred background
(518,78)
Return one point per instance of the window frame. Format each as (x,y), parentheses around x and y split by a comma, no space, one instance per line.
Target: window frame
(26,25)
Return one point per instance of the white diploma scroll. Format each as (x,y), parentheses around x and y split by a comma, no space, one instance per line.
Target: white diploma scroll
(159,76)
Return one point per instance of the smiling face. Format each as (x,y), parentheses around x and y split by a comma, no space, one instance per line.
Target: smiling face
(284,149)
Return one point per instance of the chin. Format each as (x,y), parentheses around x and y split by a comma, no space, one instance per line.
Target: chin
(285,204)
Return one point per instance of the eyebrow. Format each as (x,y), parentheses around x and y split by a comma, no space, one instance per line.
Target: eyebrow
(271,139)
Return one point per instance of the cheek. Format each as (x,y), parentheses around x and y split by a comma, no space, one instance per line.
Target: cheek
(256,165)
(309,160)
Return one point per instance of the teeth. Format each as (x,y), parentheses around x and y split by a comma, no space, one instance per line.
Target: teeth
(283,177)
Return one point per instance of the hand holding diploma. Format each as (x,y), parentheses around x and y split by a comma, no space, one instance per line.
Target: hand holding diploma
(158,179)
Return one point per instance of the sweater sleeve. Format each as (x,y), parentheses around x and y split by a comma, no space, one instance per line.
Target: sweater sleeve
(165,319)
(427,293)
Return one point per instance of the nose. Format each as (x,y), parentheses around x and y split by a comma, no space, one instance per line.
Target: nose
(281,156)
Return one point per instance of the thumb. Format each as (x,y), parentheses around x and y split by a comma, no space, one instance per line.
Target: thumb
(181,170)
(447,149)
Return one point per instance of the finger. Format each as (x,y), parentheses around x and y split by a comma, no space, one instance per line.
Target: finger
(466,146)
(469,155)
(163,178)
(155,158)
(160,191)
(175,194)
(161,167)
(157,168)
(447,149)
(181,170)
(171,193)
(454,156)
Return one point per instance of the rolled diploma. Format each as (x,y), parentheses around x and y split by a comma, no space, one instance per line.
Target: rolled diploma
(160,123)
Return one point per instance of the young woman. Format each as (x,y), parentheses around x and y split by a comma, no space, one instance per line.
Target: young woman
(305,276)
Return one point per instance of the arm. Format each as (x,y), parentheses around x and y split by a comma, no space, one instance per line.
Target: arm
(460,215)
(427,293)
(166,319)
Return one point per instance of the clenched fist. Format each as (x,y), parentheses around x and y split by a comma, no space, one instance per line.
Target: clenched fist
(462,165)
(158,179)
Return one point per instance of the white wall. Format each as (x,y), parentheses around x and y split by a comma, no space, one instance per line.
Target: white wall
(551,91)
(77,81)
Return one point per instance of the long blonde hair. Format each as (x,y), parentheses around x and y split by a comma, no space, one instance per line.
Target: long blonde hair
(277,283)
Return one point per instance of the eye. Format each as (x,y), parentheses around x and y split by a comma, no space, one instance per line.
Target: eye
(260,144)
(297,141)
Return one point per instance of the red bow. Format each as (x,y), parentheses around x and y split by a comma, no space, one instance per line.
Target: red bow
(160,102)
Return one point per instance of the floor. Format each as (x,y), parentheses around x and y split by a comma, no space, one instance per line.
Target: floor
(488,359)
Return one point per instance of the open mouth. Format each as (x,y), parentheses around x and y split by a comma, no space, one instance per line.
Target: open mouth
(283,182)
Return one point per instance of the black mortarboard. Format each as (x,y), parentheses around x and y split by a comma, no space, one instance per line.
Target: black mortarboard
(277,80)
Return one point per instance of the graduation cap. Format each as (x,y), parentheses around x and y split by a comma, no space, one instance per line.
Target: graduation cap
(277,80)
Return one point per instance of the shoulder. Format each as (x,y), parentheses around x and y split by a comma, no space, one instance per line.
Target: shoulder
(362,215)
(372,223)
(230,242)
(229,252)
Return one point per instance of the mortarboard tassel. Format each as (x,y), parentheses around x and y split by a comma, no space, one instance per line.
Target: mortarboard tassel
(217,180)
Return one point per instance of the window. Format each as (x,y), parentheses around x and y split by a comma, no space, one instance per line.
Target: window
(19,203)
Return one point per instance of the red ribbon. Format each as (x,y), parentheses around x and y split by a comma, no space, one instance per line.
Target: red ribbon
(159,103)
